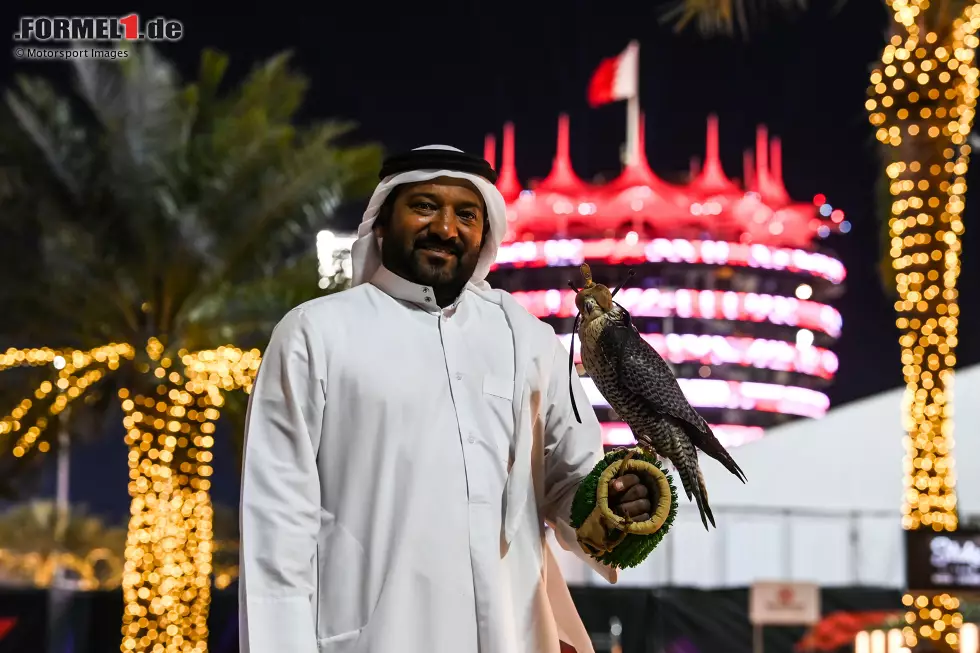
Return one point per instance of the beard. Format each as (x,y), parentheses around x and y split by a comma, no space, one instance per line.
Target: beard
(444,265)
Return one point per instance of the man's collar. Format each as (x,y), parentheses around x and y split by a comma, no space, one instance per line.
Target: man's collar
(405,290)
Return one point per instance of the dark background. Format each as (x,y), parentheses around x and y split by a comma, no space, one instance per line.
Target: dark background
(449,72)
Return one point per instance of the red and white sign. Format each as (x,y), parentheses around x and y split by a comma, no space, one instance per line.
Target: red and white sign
(784,604)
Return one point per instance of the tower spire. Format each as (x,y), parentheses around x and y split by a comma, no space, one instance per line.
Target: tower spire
(563,155)
(776,159)
(713,177)
(562,177)
(765,180)
(507,183)
(762,157)
(490,150)
(748,170)
(776,170)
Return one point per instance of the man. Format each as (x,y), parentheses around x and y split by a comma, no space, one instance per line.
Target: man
(406,440)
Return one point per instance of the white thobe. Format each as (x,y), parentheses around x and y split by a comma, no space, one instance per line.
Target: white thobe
(380,440)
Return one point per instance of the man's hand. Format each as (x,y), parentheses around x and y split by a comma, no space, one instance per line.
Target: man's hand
(629,498)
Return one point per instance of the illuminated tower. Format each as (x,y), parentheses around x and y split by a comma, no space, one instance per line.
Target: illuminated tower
(731,285)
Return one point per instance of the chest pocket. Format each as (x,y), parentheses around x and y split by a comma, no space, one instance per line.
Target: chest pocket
(498,386)
(498,405)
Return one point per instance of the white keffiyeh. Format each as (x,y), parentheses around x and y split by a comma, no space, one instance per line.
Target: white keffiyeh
(366,250)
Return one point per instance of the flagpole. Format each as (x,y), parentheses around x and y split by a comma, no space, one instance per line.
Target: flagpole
(632,130)
(631,155)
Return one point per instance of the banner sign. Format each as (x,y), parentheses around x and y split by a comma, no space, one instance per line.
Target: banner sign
(942,560)
(784,604)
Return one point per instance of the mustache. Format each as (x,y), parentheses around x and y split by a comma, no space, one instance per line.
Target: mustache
(453,247)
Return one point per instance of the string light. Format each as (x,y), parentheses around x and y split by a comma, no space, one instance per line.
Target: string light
(166,583)
(935,618)
(99,569)
(73,387)
(225,368)
(77,359)
(67,386)
(17,357)
(922,100)
(167,564)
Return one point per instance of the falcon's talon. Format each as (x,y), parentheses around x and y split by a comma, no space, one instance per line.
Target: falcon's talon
(623,465)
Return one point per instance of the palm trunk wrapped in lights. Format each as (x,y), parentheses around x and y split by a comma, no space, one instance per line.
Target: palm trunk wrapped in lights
(170,431)
(166,583)
(167,579)
(923,102)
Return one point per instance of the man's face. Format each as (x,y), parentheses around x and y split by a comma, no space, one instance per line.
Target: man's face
(435,233)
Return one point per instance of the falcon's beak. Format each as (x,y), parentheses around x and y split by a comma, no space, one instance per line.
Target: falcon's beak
(590,307)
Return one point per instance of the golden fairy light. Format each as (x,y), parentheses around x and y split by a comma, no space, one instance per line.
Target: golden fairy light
(67,387)
(166,582)
(166,577)
(922,100)
(98,570)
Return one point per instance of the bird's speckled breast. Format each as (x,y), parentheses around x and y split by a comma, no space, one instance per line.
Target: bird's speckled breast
(603,372)
(589,334)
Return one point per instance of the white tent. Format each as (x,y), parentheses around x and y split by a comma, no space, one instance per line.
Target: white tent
(822,503)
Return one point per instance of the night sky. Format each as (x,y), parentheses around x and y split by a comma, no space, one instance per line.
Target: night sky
(449,72)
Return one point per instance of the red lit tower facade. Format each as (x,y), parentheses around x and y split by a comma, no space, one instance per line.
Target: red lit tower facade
(732,286)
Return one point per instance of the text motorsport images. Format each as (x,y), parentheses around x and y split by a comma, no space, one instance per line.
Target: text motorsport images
(74,33)
(34,53)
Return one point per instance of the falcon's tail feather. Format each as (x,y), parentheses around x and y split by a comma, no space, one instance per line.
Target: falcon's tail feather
(709,444)
(695,488)
(726,459)
(703,506)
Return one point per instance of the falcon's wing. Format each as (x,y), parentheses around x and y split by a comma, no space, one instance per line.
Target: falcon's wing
(644,373)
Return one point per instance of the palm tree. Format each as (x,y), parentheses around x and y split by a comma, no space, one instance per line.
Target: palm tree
(713,17)
(922,101)
(36,539)
(33,544)
(163,228)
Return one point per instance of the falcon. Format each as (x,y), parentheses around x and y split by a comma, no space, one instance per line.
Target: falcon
(640,387)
